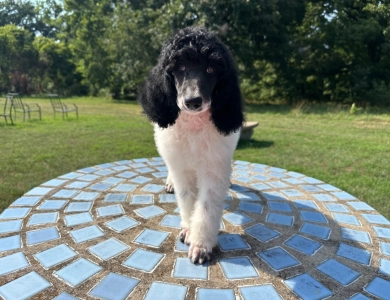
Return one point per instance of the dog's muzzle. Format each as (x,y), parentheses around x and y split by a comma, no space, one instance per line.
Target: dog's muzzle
(194,104)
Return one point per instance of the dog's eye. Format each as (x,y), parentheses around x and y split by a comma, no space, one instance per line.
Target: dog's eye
(210,70)
(182,68)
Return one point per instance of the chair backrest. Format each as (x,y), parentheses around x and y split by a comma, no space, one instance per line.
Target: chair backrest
(16,100)
(7,105)
(55,101)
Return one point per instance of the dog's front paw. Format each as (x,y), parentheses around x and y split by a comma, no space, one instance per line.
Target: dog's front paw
(184,236)
(200,254)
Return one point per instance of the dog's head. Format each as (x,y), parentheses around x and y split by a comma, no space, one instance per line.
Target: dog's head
(195,73)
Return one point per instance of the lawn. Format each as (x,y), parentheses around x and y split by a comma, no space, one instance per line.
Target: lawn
(351,152)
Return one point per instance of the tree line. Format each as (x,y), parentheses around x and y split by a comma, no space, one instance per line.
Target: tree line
(320,51)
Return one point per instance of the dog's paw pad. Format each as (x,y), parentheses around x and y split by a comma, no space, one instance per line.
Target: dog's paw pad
(184,236)
(199,255)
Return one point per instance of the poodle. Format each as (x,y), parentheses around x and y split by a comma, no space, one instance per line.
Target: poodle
(193,98)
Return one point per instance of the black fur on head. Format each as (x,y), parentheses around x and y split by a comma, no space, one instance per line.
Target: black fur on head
(158,95)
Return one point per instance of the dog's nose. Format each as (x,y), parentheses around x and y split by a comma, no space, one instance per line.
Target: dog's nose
(193,103)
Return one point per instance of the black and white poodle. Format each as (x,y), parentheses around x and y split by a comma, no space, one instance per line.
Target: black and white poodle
(193,98)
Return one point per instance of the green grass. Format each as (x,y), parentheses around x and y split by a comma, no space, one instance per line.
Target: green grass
(347,151)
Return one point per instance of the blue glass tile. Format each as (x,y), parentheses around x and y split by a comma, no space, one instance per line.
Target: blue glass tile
(108,249)
(167,198)
(114,287)
(24,287)
(71,175)
(250,207)
(328,187)
(54,182)
(278,258)
(293,181)
(150,211)
(123,162)
(78,272)
(278,184)
(292,193)
(141,179)
(140,160)
(127,174)
(238,268)
(312,216)
(279,206)
(236,218)
(346,219)
(86,234)
(166,291)
(241,162)
(55,255)
(337,208)
(65,296)
(88,170)
(14,213)
(45,218)
(184,268)
(76,219)
(262,233)
(247,197)
(234,241)
(310,188)
(359,296)
(260,186)
(39,191)
(343,196)
(145,170)
(10,226)
(226,294)
(155,163)
(65,193)
(311,180)
(323,197)
(280,219)
(384,267)
(144,260)
(152,238)
(52,204)
(78,207)
(115,198)
(276,174)
(355,235)
(228,197)
(385,248)
(379,288)
(305,204)
(241,173)
(160,174)
(110,210)
(10,243)
(87,196)
(360,206)
(89,177)
(356,254)
(112,180)
(307,287)
(104,172)
(260,177)
(279,170)
(316,230)
(121,224)
(12,263)
(106,165)
(162,169)
(295,174)
(78,184)
(257,165)
(382,232)
(124,188)
(171,221)
(101,186)
(142,199)
(338,271)
(42,235)
(153,188)
(302,244)
(376,219)
(273,196)
(243,179)
(238,188)
(259,292)
(26,201)
(181,247)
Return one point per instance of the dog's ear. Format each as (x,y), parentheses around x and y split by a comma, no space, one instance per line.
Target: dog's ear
(227,104)
(158,96)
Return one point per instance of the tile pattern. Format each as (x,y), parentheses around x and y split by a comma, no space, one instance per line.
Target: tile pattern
(103,227)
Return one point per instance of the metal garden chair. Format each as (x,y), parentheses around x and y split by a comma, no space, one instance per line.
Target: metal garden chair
(58,106)
(19,106)
(7,110)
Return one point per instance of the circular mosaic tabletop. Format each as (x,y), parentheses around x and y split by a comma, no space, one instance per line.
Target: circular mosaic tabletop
(111,232)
